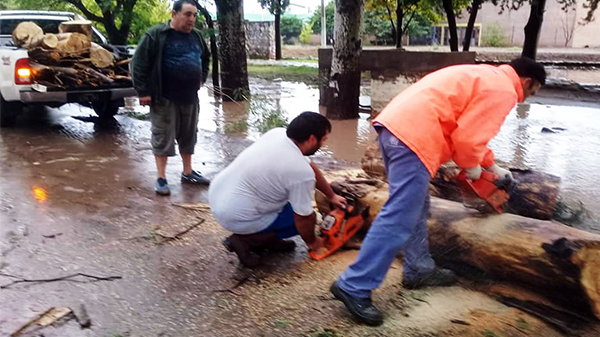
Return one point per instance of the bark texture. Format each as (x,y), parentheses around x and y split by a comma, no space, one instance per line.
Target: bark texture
(472,17)
(344,81)
(232,51)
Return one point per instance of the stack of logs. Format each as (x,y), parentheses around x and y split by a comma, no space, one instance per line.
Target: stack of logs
(70,59)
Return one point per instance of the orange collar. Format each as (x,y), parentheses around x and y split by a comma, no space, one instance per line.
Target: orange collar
(514,77)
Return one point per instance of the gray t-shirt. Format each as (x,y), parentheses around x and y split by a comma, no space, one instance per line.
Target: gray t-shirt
(247,195)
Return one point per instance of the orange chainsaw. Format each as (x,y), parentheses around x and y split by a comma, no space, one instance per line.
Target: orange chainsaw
(339,226)
(488,187)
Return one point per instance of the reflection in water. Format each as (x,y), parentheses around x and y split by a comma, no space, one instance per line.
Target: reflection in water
(40,194)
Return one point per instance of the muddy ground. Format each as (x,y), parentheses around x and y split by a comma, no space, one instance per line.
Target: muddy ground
(76,197)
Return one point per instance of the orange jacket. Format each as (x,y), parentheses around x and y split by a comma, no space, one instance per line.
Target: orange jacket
(453,113)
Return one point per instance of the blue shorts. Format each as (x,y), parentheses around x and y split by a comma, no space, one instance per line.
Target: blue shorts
(284,224)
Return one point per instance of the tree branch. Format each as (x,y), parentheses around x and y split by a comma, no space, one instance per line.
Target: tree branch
(79,5)
(64,278)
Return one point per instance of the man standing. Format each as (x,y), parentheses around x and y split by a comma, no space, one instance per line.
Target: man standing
(450,114)
(266,194)
(170,64)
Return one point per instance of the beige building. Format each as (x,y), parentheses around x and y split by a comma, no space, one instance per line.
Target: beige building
(559,29)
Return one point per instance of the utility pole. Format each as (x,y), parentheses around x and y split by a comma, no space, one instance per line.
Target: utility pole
(323,25)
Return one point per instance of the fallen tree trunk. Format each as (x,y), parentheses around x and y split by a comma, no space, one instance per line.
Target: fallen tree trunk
(551,258)
(534,194)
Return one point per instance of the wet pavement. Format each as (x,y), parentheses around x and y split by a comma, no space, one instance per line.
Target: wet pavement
(77,197)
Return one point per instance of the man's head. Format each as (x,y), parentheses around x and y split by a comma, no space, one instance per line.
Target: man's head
(309,131)
(532,74)
(184,15)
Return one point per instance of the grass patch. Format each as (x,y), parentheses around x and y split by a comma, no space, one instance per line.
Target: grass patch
(140,116)
(287,73)
(282,323)
(489,333)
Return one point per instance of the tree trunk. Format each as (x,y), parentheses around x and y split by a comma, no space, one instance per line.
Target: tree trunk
(551,258)
(214,51)
(344,80)
(232,51)
(533,28)
(472,17)
(534,194)
(278,36)
(449,9)
(399,19)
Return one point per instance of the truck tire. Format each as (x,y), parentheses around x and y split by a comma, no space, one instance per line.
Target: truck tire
(9,112)
(107,109)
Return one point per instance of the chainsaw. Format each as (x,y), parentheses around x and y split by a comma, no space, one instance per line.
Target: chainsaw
(339,226)
(489,187)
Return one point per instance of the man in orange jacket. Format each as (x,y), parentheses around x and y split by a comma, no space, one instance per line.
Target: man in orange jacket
(450,114)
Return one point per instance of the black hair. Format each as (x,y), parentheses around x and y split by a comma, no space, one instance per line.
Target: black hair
(526,67)
(306,124)
(179,3)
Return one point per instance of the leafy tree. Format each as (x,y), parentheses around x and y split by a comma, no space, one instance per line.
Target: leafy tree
(401,13)
(291,27)
(123,21)
(276,7)
(306,33)
(315,20)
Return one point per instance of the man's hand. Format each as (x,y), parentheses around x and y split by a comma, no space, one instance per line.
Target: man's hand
(473,173)
(317,244)
(338,201)
(502,173)
(146,100)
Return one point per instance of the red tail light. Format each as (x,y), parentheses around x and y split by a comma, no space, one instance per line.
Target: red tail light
(22,72)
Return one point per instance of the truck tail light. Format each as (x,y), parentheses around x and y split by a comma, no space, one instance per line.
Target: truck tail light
(22,72)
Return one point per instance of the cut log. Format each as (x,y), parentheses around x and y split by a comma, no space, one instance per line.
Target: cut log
(101,57)
(72,42)
(45,56)
(534,194)
(48,41)
(77,26)
(551,258)
(26,34)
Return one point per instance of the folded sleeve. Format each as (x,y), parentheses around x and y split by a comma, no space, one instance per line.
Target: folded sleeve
(301,196)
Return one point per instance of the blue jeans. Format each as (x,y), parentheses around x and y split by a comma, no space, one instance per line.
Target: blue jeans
(284,225)
(400,225)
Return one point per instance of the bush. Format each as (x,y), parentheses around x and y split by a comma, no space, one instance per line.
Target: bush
(291,27)
(494,36)
(306,34)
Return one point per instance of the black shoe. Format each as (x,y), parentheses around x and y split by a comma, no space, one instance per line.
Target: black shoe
(236,244)
(194,177)
(282,246)
(439,277)
(361,308)
(161,187)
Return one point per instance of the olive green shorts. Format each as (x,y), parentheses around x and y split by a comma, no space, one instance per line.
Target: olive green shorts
(173,122)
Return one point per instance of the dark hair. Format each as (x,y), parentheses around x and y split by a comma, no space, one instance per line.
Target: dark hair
(179,3)
(306,124)
(526,67)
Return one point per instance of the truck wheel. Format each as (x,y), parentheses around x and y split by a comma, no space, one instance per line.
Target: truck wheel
(9,112)
(107,109)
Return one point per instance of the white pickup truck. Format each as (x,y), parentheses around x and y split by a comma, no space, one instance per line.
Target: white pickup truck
(16,89)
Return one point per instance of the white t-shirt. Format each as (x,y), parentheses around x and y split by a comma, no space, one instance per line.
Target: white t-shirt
(247,195)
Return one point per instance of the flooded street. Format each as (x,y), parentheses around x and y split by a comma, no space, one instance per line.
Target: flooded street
(76,197)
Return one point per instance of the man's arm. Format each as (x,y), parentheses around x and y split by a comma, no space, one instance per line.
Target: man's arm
(142,62)
(306,228)
(323,185)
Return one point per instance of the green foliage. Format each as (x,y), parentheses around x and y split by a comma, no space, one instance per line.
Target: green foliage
(275,6)
(493,36)
(306,33)
(288,73)
(282,323)
(315,20)
(291,27)
(375,24)
(146,14)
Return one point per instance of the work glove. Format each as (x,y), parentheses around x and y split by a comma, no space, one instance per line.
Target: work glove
(473,173)
(502,173)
